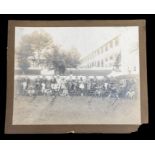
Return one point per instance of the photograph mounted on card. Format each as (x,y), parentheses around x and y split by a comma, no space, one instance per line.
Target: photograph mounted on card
(82,76)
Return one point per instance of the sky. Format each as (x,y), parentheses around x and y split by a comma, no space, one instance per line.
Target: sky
(85,39)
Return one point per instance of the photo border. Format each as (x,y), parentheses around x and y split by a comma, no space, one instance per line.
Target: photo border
(74,128)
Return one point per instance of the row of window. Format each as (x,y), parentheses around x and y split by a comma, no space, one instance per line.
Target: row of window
(101,63)
(106,47)
(111,58)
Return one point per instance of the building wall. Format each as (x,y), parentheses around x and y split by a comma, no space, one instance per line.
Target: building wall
(104,57)
(130,51)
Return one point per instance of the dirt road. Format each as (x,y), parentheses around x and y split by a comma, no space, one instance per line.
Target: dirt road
(75,110)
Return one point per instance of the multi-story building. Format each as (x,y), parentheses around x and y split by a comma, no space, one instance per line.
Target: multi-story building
(120,51)
(102,57)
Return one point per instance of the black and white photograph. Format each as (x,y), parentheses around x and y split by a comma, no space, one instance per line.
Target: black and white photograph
(76,75)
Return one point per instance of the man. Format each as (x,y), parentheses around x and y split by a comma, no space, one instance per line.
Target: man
(81,86)
(53,82)
(63,87)
(37,86)
(43,87)
(24,87)
(87,85)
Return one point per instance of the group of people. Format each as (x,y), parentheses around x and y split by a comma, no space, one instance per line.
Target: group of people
(77,86)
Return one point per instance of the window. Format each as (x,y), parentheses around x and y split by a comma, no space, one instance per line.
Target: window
(116,42)
(111,44)
(111,57)
(98,64)
(102,63)
(101,50)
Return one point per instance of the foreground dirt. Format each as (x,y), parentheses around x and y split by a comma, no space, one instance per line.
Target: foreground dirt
(75,110)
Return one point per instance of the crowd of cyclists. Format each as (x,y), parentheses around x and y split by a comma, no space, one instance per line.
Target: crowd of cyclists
(77,86)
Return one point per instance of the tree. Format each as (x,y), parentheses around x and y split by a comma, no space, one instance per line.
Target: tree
(40,41)
(72,58)
(55,60)
(32,45)
(40,46)
(36,42)
(23,52)
(60,60)
(24,65)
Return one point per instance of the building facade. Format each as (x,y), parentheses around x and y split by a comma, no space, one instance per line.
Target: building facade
(104,56)
(121,52)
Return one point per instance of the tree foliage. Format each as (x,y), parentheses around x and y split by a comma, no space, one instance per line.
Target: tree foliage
(72,58)
(40,45)
(54,60)
(60,60)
